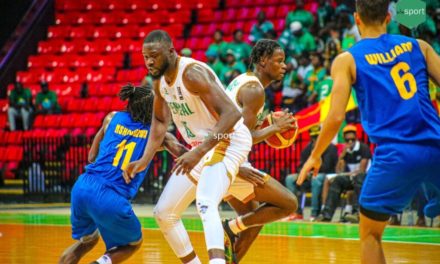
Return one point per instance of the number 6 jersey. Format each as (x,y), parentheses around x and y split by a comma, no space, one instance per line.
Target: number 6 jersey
(392,90)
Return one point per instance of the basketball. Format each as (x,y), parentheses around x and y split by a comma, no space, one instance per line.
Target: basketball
(279,140)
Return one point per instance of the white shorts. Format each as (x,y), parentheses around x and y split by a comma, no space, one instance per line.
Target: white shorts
(232,153)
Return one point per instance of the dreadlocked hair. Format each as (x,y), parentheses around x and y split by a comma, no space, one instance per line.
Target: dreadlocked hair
(140,102)
(263,48)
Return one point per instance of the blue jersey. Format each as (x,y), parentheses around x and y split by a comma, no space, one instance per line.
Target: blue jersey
(392,90)
(124,141)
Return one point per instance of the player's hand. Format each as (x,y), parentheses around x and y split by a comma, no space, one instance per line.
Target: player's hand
(311,164)
(186,162)
(284,122)
(253,176)
(132,169)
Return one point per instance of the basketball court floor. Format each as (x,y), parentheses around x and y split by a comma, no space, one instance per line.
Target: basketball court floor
(35,236)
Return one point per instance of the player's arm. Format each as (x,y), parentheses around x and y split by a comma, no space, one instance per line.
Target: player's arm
(343,72)
(432,61)
(94,149)
(173,146)
(200,81)
(158,129)
(252,99)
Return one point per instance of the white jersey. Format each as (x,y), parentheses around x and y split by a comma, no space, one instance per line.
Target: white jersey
(190,114)
(235,86)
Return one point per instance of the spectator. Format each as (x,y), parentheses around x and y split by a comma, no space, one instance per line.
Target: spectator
(214,62)
(302,16)
(271,34)
(304,65)
(241,49)
(261,28)
(332,46)
(323,88)
(329,160)
(324,13)
(350,33)
(274,96)
(314,76)
(84,92)
(46,101)
(219,45)
(232,64)
(20,105)
(351,170)
(295,40)
(293,91)
(186,52)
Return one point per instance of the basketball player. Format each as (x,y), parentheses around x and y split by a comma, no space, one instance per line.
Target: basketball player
(247,93)
(190,92)
(390,74)
(100,197)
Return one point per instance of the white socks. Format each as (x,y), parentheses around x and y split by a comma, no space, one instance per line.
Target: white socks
(195,260)
(104,259)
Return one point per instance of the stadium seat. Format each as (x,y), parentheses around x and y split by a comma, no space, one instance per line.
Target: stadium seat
(101,18)
(58,32)
(14,153)
(230,15)
(283,10)
(271,12)
(205,15)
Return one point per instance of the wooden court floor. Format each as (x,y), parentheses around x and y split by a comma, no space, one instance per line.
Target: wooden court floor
(37,241)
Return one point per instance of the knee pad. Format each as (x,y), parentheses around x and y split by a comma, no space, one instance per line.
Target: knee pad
(206,208)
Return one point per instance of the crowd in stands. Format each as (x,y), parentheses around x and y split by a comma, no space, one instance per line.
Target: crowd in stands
(22,106)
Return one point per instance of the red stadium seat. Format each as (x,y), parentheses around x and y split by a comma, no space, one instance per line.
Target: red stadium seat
(105,104)
(14,153)
(68,6)
(271,12)
(284,10)
(117,104)
(3,120)
(58,32)
(206,15)
(102,18)
(230,15)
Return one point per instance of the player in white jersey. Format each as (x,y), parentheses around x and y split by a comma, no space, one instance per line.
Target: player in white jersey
(247,93)
(190,92)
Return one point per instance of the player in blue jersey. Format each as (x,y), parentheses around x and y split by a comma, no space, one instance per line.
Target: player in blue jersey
(100,202)
(390,76)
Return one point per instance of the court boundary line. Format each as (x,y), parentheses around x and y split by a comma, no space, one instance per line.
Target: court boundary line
(270,235)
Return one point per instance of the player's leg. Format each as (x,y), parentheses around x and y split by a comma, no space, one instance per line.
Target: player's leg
(121,232)
(371,228)
(279,203)
(76,251)
(178,194)
(389,186)
(83,227)
(211,188)
(248,236)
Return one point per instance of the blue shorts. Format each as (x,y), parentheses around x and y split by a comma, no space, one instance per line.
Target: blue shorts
(397,172)
(97,206)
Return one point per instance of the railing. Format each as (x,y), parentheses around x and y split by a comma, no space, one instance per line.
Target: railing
(50,166)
